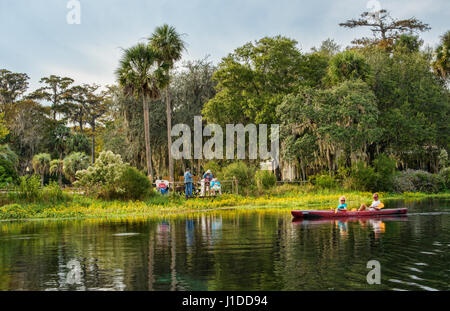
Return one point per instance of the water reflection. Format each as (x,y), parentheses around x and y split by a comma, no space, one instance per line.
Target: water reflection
(376,224)
(246,250)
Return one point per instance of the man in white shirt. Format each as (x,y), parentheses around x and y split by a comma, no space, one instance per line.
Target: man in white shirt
(374,206)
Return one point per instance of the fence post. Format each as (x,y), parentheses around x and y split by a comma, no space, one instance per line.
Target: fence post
(235,181)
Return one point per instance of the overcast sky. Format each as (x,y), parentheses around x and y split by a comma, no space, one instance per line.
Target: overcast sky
(36,38)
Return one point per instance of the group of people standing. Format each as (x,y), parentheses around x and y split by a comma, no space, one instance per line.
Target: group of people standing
(210,185)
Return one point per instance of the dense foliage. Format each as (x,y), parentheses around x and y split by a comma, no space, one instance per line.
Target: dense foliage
(110,178)
(354,117)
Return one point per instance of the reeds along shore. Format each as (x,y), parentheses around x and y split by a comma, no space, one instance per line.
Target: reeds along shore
(79,206)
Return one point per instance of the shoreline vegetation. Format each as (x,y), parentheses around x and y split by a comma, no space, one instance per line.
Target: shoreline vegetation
(290,197)
(372,117)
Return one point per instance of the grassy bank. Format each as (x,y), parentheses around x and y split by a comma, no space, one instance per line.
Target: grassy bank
(289,197)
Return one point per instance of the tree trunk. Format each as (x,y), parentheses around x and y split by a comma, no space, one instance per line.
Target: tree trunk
(169,130)
(93,142)
(80,121)
(147,139)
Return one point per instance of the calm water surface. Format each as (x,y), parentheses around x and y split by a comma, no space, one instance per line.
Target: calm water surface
(229,250)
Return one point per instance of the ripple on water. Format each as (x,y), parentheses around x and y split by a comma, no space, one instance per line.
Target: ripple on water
(427,288)
(412,276)
(428,253)
(414,269)
(126,234)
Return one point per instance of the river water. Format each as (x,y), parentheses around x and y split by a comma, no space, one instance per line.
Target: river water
(230,250)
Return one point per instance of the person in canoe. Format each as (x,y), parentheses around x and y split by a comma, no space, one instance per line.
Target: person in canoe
(375,206)
(342,205)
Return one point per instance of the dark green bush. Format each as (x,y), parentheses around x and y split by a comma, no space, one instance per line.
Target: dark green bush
(363,177)
(445,176)
(265,179)
(243,173)
(8,174)
(324,181)
(133,185)
(385,170)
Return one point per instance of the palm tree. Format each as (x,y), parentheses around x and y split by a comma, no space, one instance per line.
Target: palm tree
(75,162)
(167,41)
(441,65)
(57,168)
(139,73)
(41,164)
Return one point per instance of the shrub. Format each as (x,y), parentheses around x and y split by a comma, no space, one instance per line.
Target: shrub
(133,184)
(418,181)
(265,179)
(53,193)
(243,173)
(28,189)
(445,176)
(8,174)
(363,177)
(104,175)
(110,178)
(385,170)
(324,181)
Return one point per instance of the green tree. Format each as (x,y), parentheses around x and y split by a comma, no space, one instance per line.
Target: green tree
(41,165)
(408,44)
(57,168)
(73,163)
(60,138)
(12,87)
(95,107)
(320,125)
(56,91)
(167,41)
(75,105)
(139,73)
(413,105)
(78,143)
(252,81)
(441,64)
(29,126)
(348,65)
(4,131)
(8,166)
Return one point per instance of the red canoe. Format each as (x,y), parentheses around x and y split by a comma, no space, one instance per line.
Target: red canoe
(331,214)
